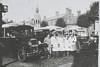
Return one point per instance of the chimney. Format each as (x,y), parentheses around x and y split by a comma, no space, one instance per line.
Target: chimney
(78,13)
(68,11)
(57,13)
(44,18)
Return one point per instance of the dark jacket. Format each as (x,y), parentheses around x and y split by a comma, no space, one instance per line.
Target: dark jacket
(1,48)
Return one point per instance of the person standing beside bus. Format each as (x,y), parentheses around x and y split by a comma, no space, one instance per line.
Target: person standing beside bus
(72,42)
(66,44)
(54,44)
(47,40)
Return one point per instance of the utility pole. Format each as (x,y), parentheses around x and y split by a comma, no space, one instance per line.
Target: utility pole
(0,14)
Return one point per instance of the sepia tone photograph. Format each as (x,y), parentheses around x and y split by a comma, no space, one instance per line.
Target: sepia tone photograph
(49,33)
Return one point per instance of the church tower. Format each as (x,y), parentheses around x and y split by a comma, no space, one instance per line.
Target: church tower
(37,18)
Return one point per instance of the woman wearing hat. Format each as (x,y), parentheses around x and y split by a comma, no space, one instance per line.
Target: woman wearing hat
(54,44)
(72,42)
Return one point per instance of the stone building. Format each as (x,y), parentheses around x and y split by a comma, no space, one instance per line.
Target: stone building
(36,20)
(69,18)
(52,20)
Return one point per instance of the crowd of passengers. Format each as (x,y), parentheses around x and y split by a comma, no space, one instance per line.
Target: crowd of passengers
(60,44)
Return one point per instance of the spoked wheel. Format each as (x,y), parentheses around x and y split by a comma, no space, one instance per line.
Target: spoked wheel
(22,54)
(45,55)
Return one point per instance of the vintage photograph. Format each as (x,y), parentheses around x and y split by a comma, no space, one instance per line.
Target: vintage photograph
(49,33)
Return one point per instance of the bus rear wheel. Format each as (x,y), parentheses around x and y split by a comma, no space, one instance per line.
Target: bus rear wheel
(22,54)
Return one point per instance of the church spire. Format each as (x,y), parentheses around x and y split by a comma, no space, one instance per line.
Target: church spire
(37,10)
(37,6)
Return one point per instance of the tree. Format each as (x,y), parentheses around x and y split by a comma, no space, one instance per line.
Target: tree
(94,12)
(83,21)
(94,9)
(44,24)
(60,22)
(1,23)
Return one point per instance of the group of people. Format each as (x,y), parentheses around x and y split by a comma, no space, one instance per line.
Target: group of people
(61,44)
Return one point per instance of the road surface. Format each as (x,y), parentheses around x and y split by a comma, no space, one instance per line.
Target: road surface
(34,62)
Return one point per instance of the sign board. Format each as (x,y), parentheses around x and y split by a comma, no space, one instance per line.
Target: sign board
(97,26)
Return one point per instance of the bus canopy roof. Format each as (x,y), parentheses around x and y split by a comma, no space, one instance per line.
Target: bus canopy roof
(49,28)
(15,25)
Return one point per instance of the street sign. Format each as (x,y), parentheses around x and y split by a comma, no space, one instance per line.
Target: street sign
(97,26)
(3,8)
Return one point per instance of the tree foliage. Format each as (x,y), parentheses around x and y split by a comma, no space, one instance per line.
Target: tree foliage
(2,22)
(44,24)
(60,22)
(94,9)
(85,20)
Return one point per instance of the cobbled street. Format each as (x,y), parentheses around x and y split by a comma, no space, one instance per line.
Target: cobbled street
(53,62)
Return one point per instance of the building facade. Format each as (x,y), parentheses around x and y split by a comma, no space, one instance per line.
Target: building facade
(69,18)
(35,21)
(52,20)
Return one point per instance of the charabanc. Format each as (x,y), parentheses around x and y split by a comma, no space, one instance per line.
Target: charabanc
(21,43)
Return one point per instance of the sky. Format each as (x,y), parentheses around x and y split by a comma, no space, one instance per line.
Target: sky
(19,10)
